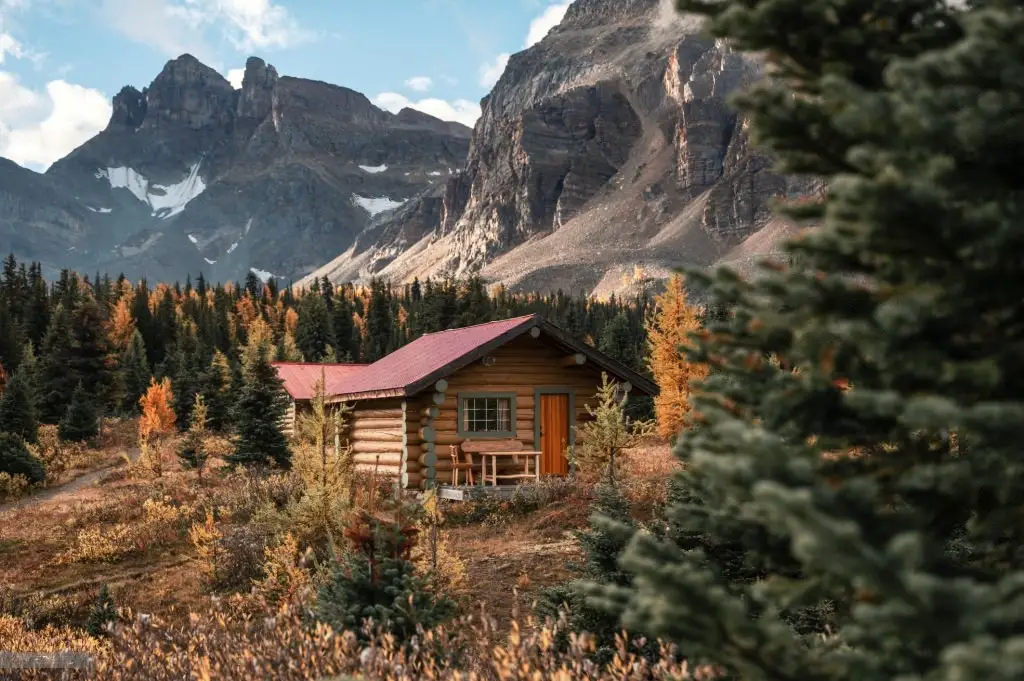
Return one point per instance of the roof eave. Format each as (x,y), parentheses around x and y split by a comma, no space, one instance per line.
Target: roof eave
(610,365)
(368,395)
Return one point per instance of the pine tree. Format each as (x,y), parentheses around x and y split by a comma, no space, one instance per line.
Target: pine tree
(80,421)
(55,380)
(668,333)
(617,340)
(376,580)
(602,543)
(15,459)
(90,354)
(193,450)
(103,612)
(216,391)
(259,410)
(17,407)
(879,462)
(135,373)
(313,334)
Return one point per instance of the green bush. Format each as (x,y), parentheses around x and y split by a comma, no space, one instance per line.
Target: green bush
(15,459)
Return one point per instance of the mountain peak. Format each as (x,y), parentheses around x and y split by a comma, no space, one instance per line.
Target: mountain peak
(190,92)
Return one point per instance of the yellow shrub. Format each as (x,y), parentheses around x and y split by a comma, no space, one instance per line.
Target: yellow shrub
(58,456)
(432,553)
(12,486)
(205,537)
(17,638)
(161,523)
(285,579)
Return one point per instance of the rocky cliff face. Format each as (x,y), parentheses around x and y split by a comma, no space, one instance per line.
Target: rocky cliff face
(191,175)
(608,146)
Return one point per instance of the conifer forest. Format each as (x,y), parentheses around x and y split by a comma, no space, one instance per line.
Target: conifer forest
(827,484)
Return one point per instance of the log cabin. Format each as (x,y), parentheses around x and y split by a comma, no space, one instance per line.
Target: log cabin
(522,381)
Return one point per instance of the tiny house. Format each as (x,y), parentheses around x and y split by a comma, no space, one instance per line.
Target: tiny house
(520,381)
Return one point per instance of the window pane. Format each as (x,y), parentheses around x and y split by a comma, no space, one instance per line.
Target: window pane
(487,415)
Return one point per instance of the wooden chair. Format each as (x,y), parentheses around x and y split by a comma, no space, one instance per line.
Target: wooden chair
(461,466)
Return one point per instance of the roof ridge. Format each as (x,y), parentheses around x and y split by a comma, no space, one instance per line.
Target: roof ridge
(477,326)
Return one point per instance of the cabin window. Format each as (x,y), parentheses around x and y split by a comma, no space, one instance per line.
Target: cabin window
(487,415)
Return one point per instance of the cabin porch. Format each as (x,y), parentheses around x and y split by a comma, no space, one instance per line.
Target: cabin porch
(471,492)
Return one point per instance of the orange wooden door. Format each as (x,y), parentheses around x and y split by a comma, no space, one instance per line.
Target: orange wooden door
(554,434)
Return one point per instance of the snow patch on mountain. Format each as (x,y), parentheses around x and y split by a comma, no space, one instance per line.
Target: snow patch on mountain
(373,169)
(263,275)
(377,205)
(164,200)
(100,210)
(193,239)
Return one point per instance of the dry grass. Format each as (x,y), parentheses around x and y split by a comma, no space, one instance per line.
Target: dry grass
(506,552)
(228,644)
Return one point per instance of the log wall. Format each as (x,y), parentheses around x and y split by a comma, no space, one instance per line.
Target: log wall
(376,433)
(520,367)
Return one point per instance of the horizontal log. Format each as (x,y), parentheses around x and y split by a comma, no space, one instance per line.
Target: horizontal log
(441,385)
(535,332)
(450,425)
(364,447)
(430,412)
(412,481)
(438,398)
(377,436)
(377,424)
(378,413)
(577,359)
(428,460)
(428,434)
(392,459)
(413,465)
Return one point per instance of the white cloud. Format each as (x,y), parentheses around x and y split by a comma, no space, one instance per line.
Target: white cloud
(419,83)
(539,27)
(547,20)
(460,110)
(151,23)
(39,127)
(178,26)
(246,24)
(8,45)
(235,77)
(490,73)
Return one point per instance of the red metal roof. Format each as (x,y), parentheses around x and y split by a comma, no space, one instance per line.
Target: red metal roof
(423,357)
(300,378)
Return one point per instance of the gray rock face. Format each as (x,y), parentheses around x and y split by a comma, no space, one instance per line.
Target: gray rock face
(191,175)
(609,145)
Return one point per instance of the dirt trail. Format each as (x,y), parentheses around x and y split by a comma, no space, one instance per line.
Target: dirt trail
(50,493)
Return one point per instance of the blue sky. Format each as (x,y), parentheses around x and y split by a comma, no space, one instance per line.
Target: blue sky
(62,60)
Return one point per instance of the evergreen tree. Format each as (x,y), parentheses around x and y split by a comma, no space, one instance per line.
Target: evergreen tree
(54,377)
(80,422)
(12,340)
(475,304)
(876,469)
(135,373)
(101,613)
(90,353)
(313,333)
(15,459)
(259,410)
(617,340)
(379,321)
(193,450)
(344,331)
(216,391)
(376,580)
(602,543)
(17,407)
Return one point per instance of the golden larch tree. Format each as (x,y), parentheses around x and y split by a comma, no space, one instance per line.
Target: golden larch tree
(157,422)
(668,331)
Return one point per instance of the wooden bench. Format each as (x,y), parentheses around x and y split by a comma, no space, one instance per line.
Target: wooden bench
(495,449)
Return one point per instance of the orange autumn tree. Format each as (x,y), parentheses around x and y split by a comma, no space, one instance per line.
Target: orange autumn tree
(156,423)
(667,331)
(121,325)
